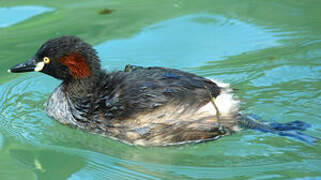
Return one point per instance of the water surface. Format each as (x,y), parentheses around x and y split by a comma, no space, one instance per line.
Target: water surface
(269,50)
(16,14)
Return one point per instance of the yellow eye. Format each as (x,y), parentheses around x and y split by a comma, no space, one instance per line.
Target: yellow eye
(46,60)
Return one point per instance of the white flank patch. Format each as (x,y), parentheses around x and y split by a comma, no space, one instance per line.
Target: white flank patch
(225,102)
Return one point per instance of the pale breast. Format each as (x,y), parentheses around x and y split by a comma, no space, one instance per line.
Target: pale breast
(57,107)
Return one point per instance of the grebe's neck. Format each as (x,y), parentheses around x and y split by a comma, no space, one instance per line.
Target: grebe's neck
(81,88)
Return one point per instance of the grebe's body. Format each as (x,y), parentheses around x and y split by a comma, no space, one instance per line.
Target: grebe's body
(148,106)
(151,106)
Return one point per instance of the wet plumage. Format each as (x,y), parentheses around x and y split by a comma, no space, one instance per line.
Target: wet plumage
(150,106)
(144,106)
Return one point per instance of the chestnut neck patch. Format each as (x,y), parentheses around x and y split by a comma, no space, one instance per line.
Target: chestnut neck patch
(76,64)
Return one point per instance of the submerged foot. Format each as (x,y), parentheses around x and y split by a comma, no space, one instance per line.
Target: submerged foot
(290,129)
(293,125)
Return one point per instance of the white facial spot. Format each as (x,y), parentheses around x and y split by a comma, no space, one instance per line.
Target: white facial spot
(39,66)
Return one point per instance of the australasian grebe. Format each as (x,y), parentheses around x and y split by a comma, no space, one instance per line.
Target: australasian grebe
(151,106)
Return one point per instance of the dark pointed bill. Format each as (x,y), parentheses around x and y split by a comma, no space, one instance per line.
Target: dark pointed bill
(28,66)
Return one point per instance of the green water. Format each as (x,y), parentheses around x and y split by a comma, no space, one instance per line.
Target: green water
(269,50)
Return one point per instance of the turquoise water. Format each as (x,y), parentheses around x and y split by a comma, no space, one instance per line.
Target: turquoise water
(269,50)
(12,15)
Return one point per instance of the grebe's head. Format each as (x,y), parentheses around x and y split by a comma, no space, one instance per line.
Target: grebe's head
(65,58)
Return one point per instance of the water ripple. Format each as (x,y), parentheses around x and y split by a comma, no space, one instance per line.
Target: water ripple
(21,106)
(209,38)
